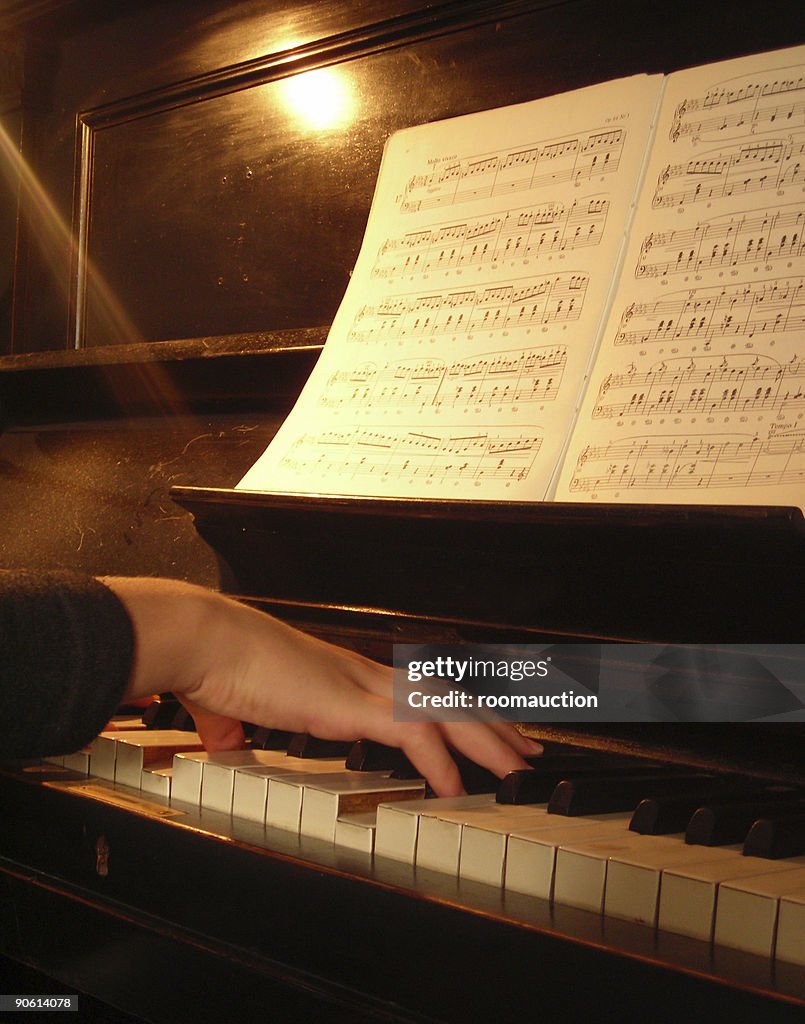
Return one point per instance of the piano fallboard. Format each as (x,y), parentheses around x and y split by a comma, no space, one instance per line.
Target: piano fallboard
(277,922)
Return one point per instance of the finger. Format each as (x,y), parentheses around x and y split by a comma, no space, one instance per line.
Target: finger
(217,732)
(522,744)
(483,745)
(425,748)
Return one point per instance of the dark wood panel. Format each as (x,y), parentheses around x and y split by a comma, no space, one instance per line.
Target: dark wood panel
(227,214)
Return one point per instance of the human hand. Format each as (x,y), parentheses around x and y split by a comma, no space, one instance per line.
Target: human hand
(229,663)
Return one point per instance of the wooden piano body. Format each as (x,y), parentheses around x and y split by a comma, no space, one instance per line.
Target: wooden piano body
(225,230)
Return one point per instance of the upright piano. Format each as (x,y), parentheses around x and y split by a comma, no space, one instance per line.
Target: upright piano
(179,244)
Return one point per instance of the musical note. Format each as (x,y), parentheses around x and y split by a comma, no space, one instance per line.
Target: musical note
(752,239)
(551,162)
(529,302)
(775,306)
(518,234)
(695,461)
(747,167)
(709,385)
(488,379)
(431,456)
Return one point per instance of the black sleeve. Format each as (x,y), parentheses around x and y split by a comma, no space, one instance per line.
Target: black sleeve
(66,653)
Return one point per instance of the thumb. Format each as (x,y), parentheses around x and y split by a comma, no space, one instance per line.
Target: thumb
(217,732)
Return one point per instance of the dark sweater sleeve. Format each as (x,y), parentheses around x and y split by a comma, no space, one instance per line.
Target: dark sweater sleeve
(66,654)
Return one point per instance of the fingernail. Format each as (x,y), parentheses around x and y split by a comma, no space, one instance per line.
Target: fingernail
(533,746)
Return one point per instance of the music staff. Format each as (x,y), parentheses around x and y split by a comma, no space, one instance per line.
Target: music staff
(753,239)
(542,301)
(699,462)
(748,106)
(489,379)
(431,456)
(739,383)
(770,307)
(556,161)
(525,233)
(750,167)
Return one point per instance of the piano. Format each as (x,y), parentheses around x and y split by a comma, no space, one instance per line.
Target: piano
(147,365)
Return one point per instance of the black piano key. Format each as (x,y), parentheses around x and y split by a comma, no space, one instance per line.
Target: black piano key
(306,746)
(369,756)
(161,712)
(607,794)
(183,720)
(263,738)
(534,785)
(777,836)
(723,824)
(656,816)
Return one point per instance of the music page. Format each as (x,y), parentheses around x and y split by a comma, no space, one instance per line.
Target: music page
(698,395)
(455,363)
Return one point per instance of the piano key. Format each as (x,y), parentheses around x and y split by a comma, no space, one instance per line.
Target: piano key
(441,835)
(369,756)
(536,784)
(581,866)
(157,779)
(327,797)
(161,712)
(612,793)
(398,823)
(719,824)
(747,909)
(134,751)
(306,746)
(664,815)
(286,785)
(186,778)
(263,738)
(791,928)
(102,754)
(635,876)
(218,774)
(357,831)
(689,893)
(773,837)
(531,853)
(78,761)
(251,785)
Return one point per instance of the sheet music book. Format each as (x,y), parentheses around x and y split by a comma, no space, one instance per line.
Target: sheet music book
(596,296)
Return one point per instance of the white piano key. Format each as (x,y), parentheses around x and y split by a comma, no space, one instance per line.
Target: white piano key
(102,752)
(157,779)
(329,796)
(250,785)
(441,835)
(484,840)
(136,750)
(357,831)
(791,928)
(398,823)
(747,909)
(286,786)
(57,759)
(634,876)
(531,853)
(186,780)
(218,774)
(78,761)
(688,893)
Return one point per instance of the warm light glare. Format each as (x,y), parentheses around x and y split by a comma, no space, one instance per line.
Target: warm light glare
(53,238)
(322,99)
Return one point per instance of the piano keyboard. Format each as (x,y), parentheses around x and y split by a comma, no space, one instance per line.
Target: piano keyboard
(592,861)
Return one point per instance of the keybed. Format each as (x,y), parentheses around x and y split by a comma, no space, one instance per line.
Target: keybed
(591,861)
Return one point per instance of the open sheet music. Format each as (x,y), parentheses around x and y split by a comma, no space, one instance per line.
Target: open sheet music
(594,296)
